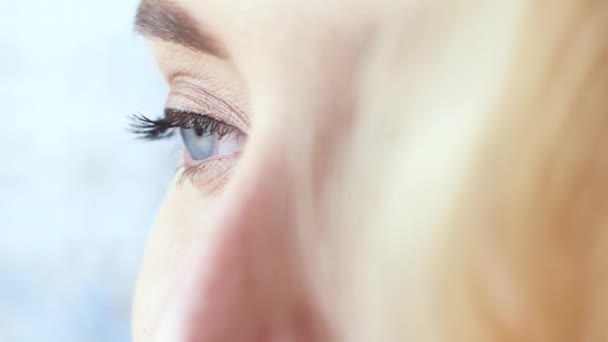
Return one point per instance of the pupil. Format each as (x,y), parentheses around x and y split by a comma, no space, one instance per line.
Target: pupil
(199,131)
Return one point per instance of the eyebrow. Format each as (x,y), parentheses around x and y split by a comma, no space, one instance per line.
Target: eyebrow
(171,23)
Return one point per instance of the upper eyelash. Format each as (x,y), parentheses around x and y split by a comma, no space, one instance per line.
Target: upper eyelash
(157,129)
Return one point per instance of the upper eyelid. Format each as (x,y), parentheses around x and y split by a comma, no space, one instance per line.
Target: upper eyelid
(189,95)
(217,105)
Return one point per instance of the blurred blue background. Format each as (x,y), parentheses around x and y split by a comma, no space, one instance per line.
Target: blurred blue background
(77,193)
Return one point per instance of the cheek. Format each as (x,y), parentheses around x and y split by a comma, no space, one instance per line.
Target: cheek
(179,224)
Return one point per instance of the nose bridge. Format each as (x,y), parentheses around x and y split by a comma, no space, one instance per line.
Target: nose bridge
(252,226)
(248,284)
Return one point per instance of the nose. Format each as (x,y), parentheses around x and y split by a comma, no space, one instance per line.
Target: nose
(251,281)
(246,281)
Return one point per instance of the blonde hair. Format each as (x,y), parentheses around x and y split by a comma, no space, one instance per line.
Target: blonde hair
(473,191)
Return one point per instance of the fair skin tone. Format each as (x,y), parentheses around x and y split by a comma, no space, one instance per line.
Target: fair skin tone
(363,171)
(222,264)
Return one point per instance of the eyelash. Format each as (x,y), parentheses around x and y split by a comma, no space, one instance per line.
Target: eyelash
(163,128)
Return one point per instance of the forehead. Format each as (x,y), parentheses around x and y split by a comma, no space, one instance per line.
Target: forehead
(274,10)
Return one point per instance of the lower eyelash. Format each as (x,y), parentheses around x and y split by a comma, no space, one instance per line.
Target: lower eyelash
(189,172)
(209,173)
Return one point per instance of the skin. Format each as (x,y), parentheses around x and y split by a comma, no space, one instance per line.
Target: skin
(222,263)
(229,259)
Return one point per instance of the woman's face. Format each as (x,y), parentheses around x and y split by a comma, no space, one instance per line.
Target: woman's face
(243,77)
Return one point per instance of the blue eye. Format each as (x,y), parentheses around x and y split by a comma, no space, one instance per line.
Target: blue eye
(200,143)
(210,140)
(203,137)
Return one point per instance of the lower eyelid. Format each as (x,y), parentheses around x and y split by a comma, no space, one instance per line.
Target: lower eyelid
(210,176)
(188,161)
